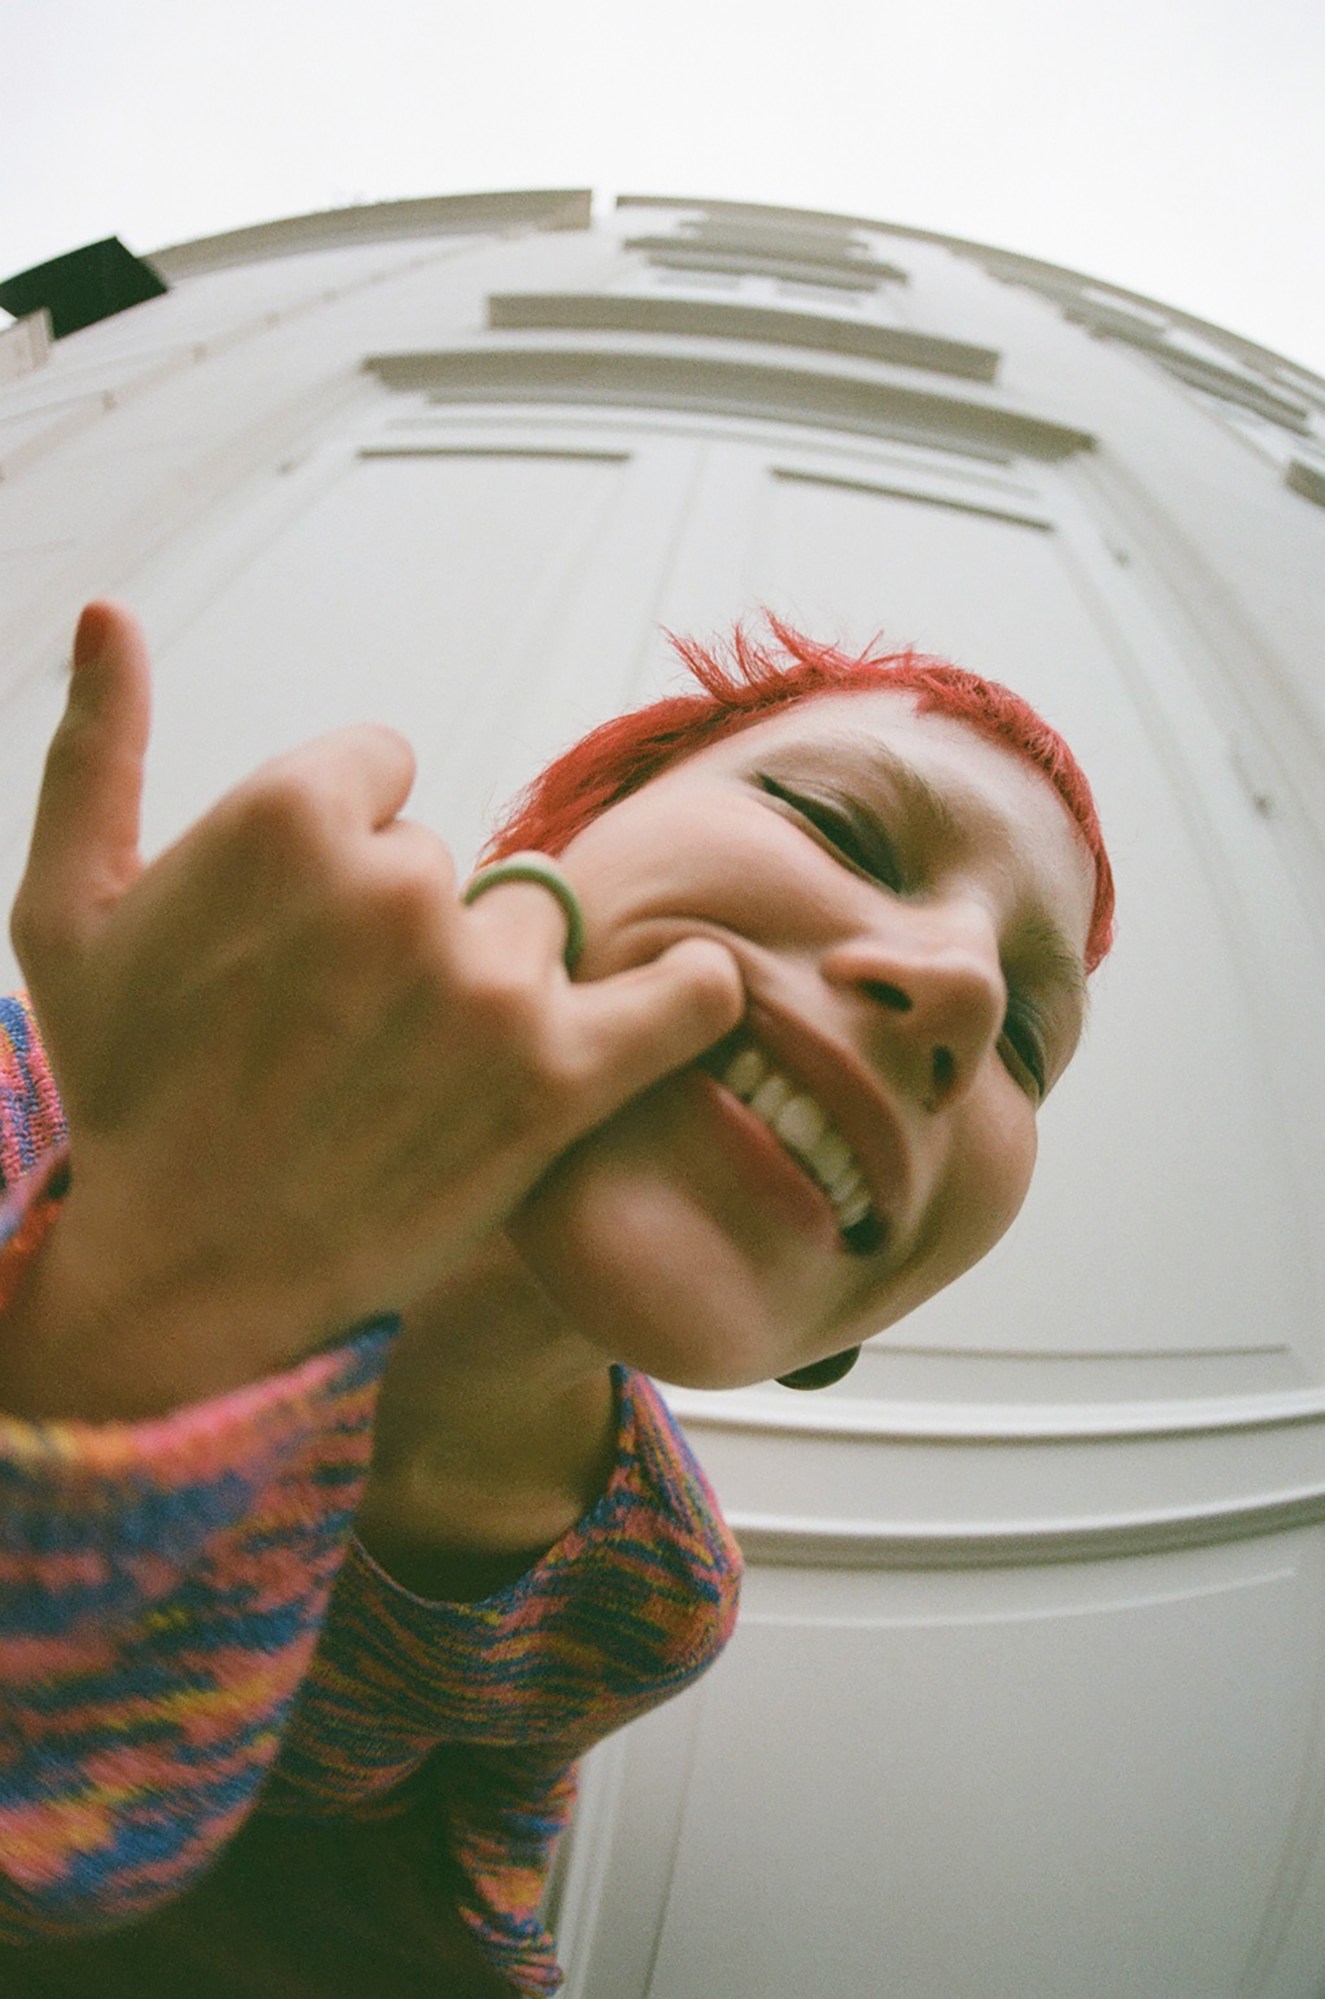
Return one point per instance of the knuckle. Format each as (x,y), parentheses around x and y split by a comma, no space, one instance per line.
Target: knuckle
(274,817)
(501,995)
(38,929)
(712,978)
(510,1012)
(401,910)
(25,925)
(390,742)
(563,1074)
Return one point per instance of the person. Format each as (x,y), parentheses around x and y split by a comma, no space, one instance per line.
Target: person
(351,1215)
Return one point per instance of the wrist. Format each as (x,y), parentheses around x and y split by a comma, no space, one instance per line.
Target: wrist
(89,1334)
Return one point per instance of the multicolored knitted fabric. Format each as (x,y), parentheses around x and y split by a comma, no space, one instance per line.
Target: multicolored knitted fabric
(190,1633)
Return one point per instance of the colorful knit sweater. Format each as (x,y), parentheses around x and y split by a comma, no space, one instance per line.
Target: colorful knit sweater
(190,1632)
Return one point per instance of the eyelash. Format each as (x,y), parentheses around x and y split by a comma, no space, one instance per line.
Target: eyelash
(1020,1023)
(1021,1035)
(879,864)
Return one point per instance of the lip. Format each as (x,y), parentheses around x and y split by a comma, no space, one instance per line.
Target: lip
(852,1096)
(764,1162)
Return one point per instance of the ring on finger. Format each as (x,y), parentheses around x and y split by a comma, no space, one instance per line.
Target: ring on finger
(533,867)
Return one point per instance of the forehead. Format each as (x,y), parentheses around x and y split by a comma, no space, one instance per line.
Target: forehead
(964,793)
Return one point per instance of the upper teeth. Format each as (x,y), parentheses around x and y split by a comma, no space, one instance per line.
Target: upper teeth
(804,1128)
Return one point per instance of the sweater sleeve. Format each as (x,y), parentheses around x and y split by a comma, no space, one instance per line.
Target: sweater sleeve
(508,1810)
(629,1610)
(473,1716)
(31,1116)
(162,1588)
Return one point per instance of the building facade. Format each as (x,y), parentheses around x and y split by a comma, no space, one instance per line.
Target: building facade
(1028,1695)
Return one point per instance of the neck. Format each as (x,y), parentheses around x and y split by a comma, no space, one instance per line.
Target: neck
(488,1384)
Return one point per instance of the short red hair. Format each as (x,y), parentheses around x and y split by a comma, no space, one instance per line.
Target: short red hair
(755,682)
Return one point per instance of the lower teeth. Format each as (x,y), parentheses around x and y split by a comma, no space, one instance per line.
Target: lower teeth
(856,1220)
(852,1216)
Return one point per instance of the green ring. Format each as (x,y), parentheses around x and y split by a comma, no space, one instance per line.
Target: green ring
(531,867)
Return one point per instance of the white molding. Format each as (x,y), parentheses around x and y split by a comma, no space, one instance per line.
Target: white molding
(758,1410)
(758,212)
(863,399)
(1058,280)
(925,496)
(1306,479)
(635,312)
(24,345)
(379,222)
(806,1541)
(575,1896)
(752,256)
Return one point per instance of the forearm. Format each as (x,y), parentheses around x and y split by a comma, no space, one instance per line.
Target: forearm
(106,1332)
(162,1587)
(69,1352)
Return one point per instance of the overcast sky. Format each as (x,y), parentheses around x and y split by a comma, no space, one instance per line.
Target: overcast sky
(1176,147)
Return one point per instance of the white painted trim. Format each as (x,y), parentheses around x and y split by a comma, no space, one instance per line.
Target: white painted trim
(805,1541)
(24,345)
(575,1901)
(1007,265)
(842,395)
(932,496)
(379,222)
(761,1411)
(1306,479)
(734,319)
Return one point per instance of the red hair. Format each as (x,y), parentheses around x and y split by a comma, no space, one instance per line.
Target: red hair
(756,682)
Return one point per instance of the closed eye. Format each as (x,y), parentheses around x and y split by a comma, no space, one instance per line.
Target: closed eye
(858,838)
(1021,1046)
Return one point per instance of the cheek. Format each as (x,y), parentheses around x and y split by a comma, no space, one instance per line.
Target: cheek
(734,865)
(616,1248)
(990,1167)
(993,1172)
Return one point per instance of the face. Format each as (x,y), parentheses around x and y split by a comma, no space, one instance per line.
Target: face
(908,905)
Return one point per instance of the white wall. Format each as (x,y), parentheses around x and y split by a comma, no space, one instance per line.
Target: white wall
(1027,1693)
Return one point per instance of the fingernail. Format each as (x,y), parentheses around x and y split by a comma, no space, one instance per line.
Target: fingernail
(89,636)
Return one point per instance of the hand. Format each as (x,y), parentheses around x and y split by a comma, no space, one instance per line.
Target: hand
(302,1081)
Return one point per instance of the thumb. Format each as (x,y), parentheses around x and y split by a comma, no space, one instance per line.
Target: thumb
(646,1022)
(84,851)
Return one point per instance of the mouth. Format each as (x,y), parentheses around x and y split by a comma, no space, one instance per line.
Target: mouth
(804,1129)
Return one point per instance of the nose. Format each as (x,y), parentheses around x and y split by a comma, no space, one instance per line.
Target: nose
(933,976)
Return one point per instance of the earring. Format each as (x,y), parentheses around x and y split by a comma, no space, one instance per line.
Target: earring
(822,1373)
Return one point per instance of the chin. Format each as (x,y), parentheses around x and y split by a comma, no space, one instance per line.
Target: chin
(703,1372)
(649,1280)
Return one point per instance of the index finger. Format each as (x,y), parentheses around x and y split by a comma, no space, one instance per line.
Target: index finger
(84,848)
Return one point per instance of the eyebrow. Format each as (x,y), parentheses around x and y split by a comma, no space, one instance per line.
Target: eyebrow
(923,800)
(1056,962)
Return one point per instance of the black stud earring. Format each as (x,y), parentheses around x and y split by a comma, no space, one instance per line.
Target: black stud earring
(822,1373)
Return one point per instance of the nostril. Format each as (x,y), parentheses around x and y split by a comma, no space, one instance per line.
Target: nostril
(945,1070)
(889,996)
